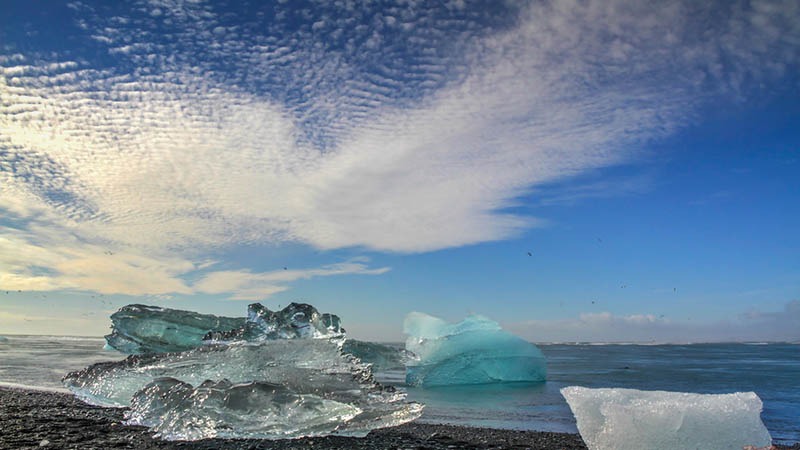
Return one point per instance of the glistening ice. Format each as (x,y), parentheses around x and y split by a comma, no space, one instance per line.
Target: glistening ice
(286,381)
(628,419)
(142,329)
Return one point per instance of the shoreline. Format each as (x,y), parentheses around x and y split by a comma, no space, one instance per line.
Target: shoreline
(36,419)
(45,419)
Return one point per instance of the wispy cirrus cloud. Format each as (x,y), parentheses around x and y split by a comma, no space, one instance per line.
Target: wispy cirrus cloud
(246,285)
(394,128)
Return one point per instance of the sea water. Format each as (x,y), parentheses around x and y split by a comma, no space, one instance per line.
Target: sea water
(770,370)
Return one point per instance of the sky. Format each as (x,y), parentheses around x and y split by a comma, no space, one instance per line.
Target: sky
(606,171)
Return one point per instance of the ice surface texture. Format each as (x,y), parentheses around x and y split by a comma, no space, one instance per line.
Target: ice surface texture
(142,329)
(628,419)
(149,329)
(296,321)
(474,351)
(273,374)
(278,388)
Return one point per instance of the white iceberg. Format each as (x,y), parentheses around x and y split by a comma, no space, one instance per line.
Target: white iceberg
(474,351)
(630,419)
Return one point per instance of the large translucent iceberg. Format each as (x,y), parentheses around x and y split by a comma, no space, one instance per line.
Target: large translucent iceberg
(277,388)
(474,351)
(628,419)
(142,329)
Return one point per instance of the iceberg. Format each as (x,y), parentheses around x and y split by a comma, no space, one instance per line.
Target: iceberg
(623,419)
(142,329)
(150,329)
(474,351)
(278,388)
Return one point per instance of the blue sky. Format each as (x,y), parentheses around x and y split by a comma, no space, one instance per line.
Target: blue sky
(378,158)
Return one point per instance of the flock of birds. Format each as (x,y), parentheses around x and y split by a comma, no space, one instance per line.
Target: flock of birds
(623,286)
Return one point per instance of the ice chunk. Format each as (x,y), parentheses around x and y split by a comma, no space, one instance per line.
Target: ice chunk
(622,419)
(323,390)
(296,321)
(141,329)
(474,351)
(151,329)
(177,410)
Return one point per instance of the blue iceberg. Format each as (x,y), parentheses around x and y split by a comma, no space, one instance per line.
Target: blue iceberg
(474,351)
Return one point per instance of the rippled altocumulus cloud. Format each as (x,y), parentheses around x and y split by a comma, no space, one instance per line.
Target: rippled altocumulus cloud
(396,127)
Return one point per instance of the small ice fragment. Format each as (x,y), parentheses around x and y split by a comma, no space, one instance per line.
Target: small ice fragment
(628,419)
(474,351)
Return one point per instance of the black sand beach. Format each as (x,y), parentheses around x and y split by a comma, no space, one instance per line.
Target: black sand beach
(34,419)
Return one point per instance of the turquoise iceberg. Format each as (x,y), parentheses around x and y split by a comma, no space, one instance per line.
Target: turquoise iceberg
(474,351)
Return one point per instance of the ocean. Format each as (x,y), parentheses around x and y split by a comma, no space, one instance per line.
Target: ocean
(770,370)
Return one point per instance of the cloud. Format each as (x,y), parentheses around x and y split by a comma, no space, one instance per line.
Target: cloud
(47,257)
(788,319)
(399,129)
(607,327)
(247,285)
